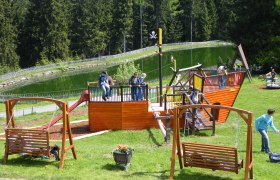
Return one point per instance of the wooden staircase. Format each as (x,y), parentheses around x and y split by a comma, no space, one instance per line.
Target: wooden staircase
(201,122)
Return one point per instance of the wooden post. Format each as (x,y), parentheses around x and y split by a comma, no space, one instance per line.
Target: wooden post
(64,109)
(251,146)
(122,93)
(179,150)
(147,93)
(193,122)
(7,103)
(174,145)
(248,147)
(157,94)
(168,129)
(214,127)
(165,102)
(173,89)
(70,136)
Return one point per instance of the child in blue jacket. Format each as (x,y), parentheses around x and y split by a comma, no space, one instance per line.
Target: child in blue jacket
(262,124)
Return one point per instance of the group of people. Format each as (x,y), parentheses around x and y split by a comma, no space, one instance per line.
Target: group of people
(105,83)
(138,88)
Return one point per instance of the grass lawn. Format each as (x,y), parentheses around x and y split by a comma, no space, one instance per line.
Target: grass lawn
(151,158)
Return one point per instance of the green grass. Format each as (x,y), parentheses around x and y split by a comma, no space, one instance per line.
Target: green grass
(151,158)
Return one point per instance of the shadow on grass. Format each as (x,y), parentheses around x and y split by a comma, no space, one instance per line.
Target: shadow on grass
(28,161)
(151,136)
(200,176)
(113,167)
(183,175)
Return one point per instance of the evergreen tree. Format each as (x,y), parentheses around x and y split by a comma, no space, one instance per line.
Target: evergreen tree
(45,35)
(121,37)
(184,16)
(150,22)
(213,17)
(138,26)
(202,23)
(258,24)
(226,22)
(174,24)
(90,27)
(8,36)
(55,42)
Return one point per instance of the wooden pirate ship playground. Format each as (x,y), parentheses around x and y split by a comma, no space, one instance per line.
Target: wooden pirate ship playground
(120,112)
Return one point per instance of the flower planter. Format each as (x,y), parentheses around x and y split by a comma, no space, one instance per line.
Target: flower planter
(122,158)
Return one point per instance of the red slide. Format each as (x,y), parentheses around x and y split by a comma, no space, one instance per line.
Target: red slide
(84,97)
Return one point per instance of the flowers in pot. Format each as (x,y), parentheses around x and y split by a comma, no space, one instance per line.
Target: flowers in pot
(122,155)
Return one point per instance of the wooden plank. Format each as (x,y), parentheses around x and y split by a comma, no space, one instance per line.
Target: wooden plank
(210,154)
(210,162)
(207,154)
(103,116)
(192,155)
(207,145)
(120,115)
(213,168)
(226,97)
(210,149)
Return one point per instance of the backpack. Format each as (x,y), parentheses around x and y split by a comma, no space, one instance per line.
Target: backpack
(102,79)
(133,80)
(274,157)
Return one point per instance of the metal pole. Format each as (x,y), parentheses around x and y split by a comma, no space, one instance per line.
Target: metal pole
(160,65)
(141,38)
(191,34)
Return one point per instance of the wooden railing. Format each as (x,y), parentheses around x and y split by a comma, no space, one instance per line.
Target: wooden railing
(119,93)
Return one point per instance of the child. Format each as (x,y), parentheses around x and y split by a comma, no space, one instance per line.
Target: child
(262,124)
(55,151)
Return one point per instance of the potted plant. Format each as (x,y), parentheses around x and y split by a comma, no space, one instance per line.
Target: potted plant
(122,155)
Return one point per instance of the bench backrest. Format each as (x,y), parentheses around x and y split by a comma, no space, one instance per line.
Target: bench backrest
(210,156)
(27,141)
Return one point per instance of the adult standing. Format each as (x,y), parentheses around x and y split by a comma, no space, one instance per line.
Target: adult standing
(133,81)
(142,88)
(111,83)
(262,124)
(222,73)
(103,84)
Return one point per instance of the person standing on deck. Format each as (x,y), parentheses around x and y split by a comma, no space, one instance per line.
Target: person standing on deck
(133,82)
(222,73)
(103,84)
(111,83)
(262,124)
(142,88)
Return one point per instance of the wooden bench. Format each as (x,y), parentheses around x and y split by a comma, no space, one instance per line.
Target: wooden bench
(211,156)
(27,142)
